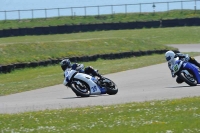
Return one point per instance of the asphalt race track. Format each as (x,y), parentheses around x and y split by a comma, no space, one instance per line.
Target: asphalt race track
(187,48)
(143,84)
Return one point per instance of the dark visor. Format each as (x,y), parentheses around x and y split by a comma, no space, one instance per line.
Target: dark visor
(168,58)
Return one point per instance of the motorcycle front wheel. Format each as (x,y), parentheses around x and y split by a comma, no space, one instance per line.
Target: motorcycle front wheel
(188,79)
(80,88)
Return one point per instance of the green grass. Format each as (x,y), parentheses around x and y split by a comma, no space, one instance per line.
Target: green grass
(35,48)
(49,50)
(129,17)
(166,116)
(176,35)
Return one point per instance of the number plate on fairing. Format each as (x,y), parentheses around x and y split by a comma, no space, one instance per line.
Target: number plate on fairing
(176,68)
(95,90)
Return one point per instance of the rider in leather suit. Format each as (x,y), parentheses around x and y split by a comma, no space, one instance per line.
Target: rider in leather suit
(66,63)
(171,56)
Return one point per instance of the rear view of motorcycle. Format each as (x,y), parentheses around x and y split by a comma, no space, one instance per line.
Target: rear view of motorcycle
(85,85)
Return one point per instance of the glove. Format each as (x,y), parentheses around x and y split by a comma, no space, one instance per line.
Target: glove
(173,75)
(187,58)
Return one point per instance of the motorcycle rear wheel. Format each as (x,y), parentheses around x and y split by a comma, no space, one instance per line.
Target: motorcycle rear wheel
(110,86)
(80,88)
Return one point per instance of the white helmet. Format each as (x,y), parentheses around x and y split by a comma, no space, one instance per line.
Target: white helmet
(169,55)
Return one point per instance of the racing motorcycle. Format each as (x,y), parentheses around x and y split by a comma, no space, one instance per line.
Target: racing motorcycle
(85,85)
(187,72)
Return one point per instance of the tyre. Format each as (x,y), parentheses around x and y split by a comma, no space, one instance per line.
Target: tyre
(190,80)
(110,86)
(80,88)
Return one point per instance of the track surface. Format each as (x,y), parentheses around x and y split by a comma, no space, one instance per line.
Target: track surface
(143,84)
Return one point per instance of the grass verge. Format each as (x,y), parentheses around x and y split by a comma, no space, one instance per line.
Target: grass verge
(53,50)
(36,48)
(166,116)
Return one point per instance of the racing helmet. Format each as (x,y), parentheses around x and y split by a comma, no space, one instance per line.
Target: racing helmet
(169,55)
(65,64)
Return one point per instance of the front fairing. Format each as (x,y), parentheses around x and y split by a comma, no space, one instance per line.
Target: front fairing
(177,66)
(69,73)
(91,81)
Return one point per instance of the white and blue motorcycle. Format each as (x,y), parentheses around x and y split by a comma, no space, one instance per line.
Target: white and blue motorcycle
(187,72)
(85,85)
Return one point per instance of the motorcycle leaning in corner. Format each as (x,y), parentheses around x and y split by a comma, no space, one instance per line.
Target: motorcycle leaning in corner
(187,72)
(85,85)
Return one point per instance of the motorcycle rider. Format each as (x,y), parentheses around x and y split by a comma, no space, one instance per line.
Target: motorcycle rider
(171,57)
(66,63)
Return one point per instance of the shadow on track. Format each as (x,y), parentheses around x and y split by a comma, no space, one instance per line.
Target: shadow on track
(181,86)
(85,97)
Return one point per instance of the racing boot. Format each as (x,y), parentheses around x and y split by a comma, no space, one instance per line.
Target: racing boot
(95,73)
(92,71)
(192,60)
